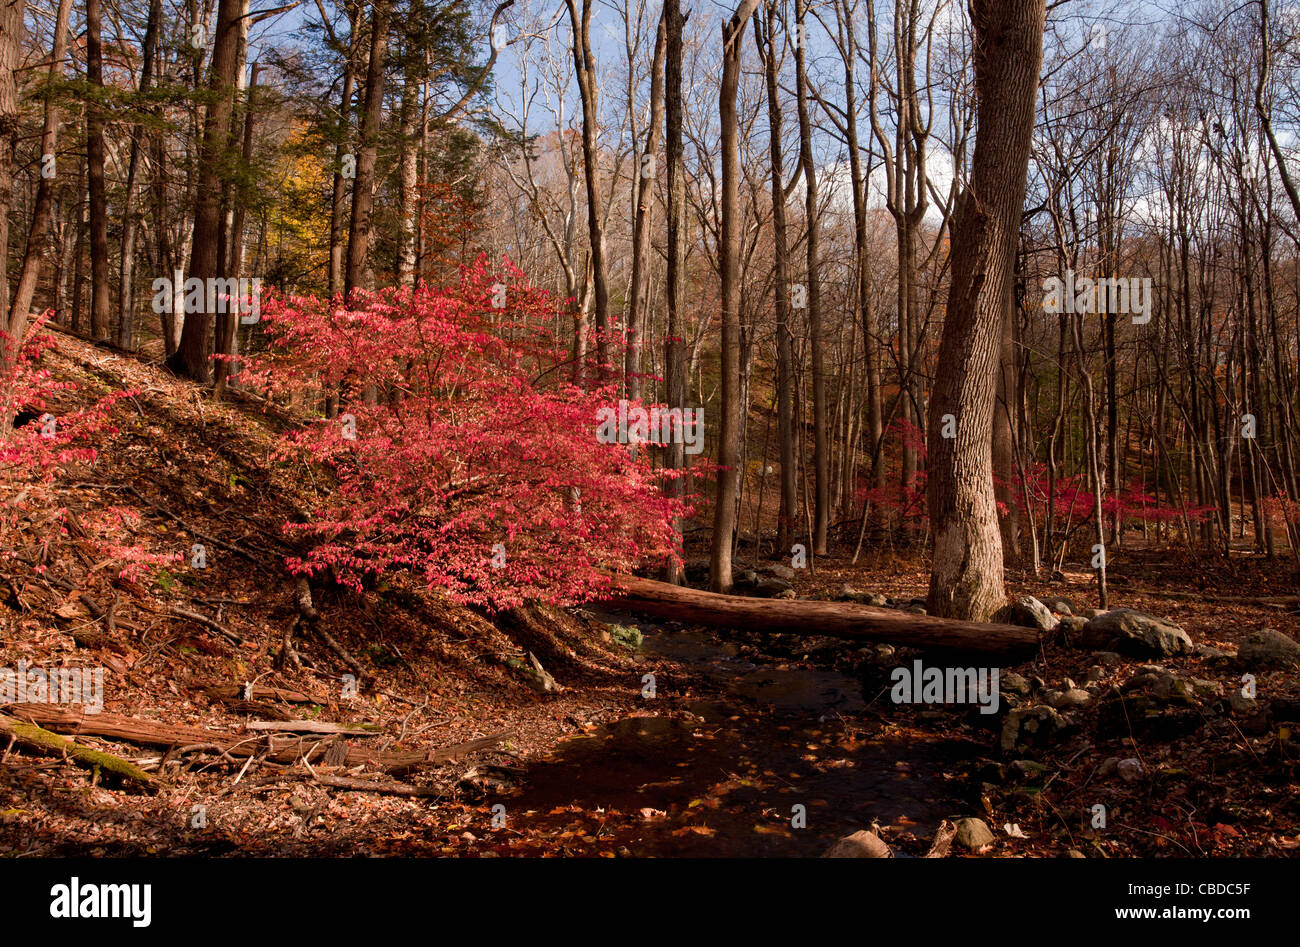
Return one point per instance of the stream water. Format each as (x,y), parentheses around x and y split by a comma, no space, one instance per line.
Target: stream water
(727,781)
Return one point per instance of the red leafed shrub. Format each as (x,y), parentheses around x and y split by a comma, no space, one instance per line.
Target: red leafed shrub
(461,452)
(35,453)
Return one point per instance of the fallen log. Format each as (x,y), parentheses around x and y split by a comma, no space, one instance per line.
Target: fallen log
(152,733)
(38,738)
(833,619)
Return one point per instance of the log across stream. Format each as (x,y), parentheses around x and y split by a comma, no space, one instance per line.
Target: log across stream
(832,619)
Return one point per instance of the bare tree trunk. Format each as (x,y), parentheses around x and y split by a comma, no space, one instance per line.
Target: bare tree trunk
(675,334)
(724,511)
(99,289)
(639,305)
(11,46)
(43,210)
(789,502)
(193,358)
(966,576)
(585,69)
(339,195)
(363,188)
(407,158)
(821,445)
(130,216)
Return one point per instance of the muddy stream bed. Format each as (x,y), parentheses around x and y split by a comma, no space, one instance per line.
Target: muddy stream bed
(749,740)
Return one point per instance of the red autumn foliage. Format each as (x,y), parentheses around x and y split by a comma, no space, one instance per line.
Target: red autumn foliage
(461,451)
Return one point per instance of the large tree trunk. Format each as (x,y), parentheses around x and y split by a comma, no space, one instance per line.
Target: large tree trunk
(966,576)
(339,195)
(408,153)
(833,619)
(585,69)
(11,43)
(675,336)
(43,210)
(193,358)
(733,415)
(789,502)
(99,289)
(363,187)
(130,216)
(639,306)
(821,443)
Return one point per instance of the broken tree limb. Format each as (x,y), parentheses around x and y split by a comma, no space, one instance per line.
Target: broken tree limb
(36,737)
(152,733)
(943,837)
(207,622)
(310,726)
(832,619)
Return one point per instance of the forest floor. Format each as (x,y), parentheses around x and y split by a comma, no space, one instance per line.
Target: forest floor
(715,753)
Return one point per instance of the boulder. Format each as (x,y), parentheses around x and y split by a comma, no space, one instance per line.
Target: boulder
(1134,633)
(973,834)
(861,844)
(779,571)
(1027,612)
(1062,606)
(772,588)
(1035,725)
(1268,649)
(1068,699)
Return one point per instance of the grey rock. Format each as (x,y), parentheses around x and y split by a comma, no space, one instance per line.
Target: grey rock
(1240,704)
(1134,633)
(1011,682)
(1268,649)
(1027,612)
(861,844)
(1062,606)
(973,834)
(1130,770)
(771,588)
(1037,725)
(779,571)
(1069,699)
(1071,624)
(848,593)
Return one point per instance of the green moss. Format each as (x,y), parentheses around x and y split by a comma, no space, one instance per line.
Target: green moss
(39,737)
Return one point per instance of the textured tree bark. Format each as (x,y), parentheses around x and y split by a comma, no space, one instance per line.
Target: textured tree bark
(43,209)
(639,306)
(821,442)
(193,357)
(1004,440)
(724,510)
(338,197)
(99,290)
(966,574)
(834,619)
(130,216)
(585,69)
(11,41)
(674,336)
(785,428)
(363,187)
